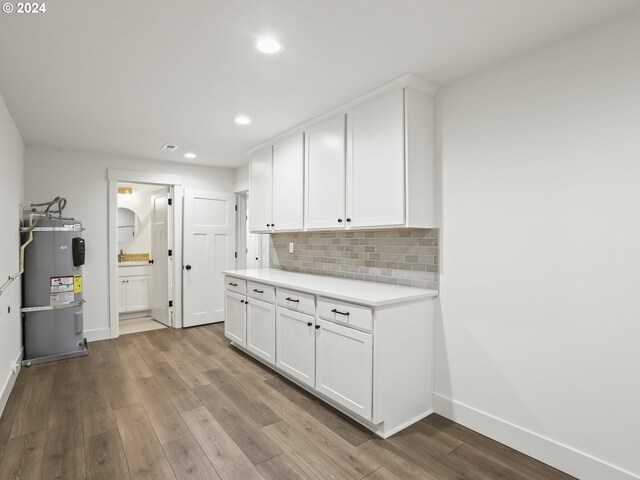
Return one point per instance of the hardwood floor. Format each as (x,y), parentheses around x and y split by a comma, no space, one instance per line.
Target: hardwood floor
(184,404)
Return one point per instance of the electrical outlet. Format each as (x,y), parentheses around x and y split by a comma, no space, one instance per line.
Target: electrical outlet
(290,247)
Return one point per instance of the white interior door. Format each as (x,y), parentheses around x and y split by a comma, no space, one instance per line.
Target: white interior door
(208,250)
(160,256)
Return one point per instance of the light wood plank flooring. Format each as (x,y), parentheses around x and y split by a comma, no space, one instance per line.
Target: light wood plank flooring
(184,404)
(139,324)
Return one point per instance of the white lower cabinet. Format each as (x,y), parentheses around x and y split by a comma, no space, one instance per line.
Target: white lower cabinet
(344,372)
(261,329)
(296,345)
(355,355)
(235,325)
(134,293)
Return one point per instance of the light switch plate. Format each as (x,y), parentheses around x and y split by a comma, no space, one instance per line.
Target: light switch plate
(290,247)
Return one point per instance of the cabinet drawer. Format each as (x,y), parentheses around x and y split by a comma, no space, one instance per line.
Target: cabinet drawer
(349,314)
(297,301)
(266,293)
(235,284)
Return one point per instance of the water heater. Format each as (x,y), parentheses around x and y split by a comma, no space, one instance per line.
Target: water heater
(52,287)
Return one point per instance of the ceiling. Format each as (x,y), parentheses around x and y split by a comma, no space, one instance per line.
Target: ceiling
(125,77)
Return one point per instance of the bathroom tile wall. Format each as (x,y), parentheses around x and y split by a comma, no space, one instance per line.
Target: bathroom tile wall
(397,257)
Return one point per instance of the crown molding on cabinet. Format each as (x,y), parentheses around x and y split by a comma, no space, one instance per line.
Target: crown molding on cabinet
(407,80)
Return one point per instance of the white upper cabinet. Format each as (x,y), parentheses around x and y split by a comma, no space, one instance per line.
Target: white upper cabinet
(261,190)
(391,161)
(375,162)
(374,170)
(325,175)
(288,184)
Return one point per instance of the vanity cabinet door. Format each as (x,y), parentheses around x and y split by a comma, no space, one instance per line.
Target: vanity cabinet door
(344,372)
(296,345)
(137,293)
(122,295)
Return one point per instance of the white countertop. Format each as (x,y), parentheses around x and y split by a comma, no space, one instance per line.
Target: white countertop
(366,293)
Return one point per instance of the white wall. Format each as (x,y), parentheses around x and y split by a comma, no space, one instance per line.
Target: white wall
(539,340)
(140,203)
(241,178)
(81,178)
(11,194)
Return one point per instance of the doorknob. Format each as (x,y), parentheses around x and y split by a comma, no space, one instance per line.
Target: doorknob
(188,267)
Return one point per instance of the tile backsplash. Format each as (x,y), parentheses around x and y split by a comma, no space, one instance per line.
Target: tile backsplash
(400,257)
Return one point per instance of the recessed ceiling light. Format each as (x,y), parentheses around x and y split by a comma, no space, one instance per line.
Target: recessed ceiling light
(189,155)
(242,120)
(268,45)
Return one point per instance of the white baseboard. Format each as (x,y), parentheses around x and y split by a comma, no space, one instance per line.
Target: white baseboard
(406,424)
(551,452)
(11,381)
(97,334)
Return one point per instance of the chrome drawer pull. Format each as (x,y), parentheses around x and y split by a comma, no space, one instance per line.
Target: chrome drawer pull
(339,312)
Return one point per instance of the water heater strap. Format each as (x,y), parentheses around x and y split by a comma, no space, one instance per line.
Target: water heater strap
(56,307)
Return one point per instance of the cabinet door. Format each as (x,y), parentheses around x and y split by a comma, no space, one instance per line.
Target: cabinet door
(261,190)
(325,174)
(375,162)
(235,323)
(261,329)
(137,293)
(288,184)
(296,344)
(344,373)
(122,296)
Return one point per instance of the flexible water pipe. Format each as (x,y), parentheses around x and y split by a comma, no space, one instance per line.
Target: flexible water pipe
(22,249)
(62,202)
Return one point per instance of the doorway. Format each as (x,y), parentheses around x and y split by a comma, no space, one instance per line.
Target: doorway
(253,248)
(144,251)
(200,245)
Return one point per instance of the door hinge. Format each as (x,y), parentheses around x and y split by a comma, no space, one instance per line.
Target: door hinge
(170,253)
(236,254)
(236,208)
(170,303)
(170,201)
